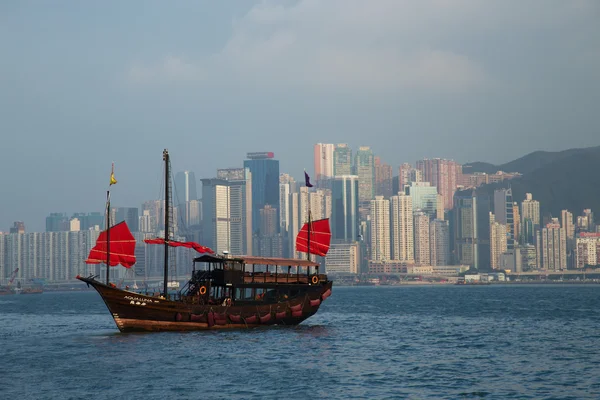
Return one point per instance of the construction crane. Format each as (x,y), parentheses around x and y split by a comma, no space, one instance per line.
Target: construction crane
(13,276)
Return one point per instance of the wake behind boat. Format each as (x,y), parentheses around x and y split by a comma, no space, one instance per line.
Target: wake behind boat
(223,292)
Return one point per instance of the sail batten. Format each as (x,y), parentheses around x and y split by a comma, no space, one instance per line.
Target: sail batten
(189,245)
(320,237)
(122,247)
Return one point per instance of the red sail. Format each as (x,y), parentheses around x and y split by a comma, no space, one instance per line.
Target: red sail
(320,237)
(189,245)
(122,247)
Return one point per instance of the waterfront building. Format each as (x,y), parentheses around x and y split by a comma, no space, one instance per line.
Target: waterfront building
(566,218)
(471,230)
(528,257)
(421,239)
(554,246)
(587,253)
(128,214)
(380,229)
(402,231)
(530,218)
(342,258)
(264,170)
(57,222)
(439,231)
(498,242)
(216,208)
(504,214)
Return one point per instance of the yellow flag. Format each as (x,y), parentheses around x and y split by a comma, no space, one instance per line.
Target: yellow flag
(112,176)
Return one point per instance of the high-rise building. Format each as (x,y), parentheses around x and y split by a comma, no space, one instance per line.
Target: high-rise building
(344,208)
(498,242)
(57,222)
(216,208)
(383,178)
(439,242)
(471,230)
(585,222)
(128,214)
(554,246)
(443,174)
(567,223)
(323,158)
(504,214)
(380,229)
(342,258)
(407,175)
(528,257)
(421,238)
(402,233)
(530,218)
(265,183)
(268,221)
(364,165)
(587,252)
(424,198)
(342,160)
(239,181)
(185,191)
(517,223)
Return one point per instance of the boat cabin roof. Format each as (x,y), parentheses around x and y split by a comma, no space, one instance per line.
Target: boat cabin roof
(257,260)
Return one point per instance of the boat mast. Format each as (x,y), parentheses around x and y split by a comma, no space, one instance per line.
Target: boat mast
(107,236)
(167,172)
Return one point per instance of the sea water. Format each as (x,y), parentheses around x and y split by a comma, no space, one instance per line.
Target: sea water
(496,342)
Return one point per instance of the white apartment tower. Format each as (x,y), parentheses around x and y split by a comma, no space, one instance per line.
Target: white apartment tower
(380,229)
(422,249)
(402,228)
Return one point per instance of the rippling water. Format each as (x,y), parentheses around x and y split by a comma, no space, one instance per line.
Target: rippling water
(365,342)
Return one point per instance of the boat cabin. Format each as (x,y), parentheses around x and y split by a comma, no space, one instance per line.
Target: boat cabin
(249,280)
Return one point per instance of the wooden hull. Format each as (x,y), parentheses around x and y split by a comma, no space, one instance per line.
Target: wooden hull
(134,312)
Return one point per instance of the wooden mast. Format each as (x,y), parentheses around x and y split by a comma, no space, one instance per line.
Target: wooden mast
(107,236)
(167,205)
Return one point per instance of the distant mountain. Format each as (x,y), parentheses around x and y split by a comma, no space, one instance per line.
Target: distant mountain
(528,163)
(568,179)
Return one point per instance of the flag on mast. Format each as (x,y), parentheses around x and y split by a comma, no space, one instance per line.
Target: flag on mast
(112,176)
(307,180)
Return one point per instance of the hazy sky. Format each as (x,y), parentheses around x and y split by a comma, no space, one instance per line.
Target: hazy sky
(86,83)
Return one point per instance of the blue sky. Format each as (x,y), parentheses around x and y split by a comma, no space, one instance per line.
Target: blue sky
(84,84)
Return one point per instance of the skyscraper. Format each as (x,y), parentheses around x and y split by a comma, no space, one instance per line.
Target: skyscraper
(567,224)
(380,229)
(443,174)
(383,178)
(402,233)
(498,242)
(424,197)
(344,213)
(342,160)
(471,230)
(265,183)
(407,174)
(554,246)
(185,191)
(239,181)
(216,208)
(323,160)
(504,214)
(364,165)
(422,244)
(439,242)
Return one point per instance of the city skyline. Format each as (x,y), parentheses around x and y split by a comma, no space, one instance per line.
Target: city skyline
(83,87)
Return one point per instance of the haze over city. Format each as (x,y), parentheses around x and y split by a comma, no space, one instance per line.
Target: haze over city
(87,84)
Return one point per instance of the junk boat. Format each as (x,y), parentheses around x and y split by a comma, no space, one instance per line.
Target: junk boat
(224,292)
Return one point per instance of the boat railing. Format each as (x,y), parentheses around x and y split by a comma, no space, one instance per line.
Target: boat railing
(271,277)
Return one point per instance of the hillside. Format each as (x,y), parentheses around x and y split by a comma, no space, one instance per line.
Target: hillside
(564,180)
(528,163)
